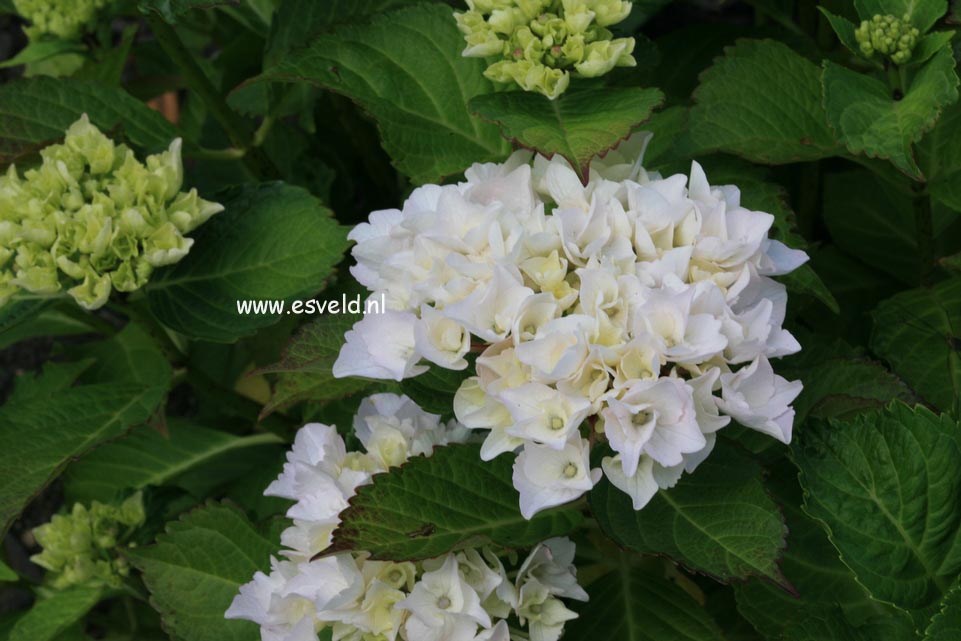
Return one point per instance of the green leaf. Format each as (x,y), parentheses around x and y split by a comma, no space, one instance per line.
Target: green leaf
(6,574)
(173,10)
(131,355)
(405,69)
(305,370)
(51,616)
(579,125)
(273,242)
(869,121)
(191,457)
(196,568)
(919,333)
(946,624)
(922,14)
(297,21)
(930,45)
(844,29)
(885,484)
(37,111)
(55,378)
(952,263)
(434,389)
(45,431)
(718,520)
(37,50)
(940,157)
(815,570)
(639,604)
(431,505)
(23,319)
(761,101)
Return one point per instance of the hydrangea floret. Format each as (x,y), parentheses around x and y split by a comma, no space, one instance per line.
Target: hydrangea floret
(888,36)
(466,595)
(92,218)
(79,548)
(636,312)
(541,43)
(67,20)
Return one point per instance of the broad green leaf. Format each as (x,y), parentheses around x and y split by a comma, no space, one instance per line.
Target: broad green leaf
(297,21)
(37,111)
(639,604)
(869,120)
(885,485)
(874,221)
(761,101)
(431,505)
(55,378)
(191,457)
(815,570)
(44,432)
(839,384)
(434,389)
(6,574)
(131,355)
(196,568)
(946,624)
(844,29)
(304,372)
(273,242)
(922,13)
(20,320)
(940,157)
(578,126)
(55,614)
(38,50)
(929,45)
(718,520)
(173,10)
(405,69)
(919,333)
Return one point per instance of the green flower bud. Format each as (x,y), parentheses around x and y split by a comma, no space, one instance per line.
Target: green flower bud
(92,218)
(888,36)
(79,547)
(544,42)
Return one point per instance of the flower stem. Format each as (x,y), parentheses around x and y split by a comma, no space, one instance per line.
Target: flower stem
(236,128)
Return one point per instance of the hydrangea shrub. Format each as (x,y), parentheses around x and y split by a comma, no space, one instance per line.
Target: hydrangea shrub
(480,320)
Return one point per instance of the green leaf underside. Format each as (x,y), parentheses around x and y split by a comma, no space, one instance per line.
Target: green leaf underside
(405,69)
(578,126)
(51,616)
(918,332)
(273,242)
(946,624)
(35,112)
(718,520)
(635,604)
(191,457)
(196,568)
(435,504)
(779,120)
(885,485)
(868,120)
(45,431)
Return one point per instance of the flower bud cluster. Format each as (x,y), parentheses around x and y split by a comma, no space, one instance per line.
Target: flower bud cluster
(78,548)
(67,20)
(636,309)
(888,36)
(542,42)
(462,596)
(92,218)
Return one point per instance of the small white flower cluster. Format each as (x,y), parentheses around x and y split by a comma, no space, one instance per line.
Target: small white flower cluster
(638,306)
(462,596)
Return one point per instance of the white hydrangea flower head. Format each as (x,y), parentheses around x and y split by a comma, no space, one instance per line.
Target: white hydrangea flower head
(466,595)
(636,310)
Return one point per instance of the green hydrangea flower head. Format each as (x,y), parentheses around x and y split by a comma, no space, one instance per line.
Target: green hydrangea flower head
(66,19)
(542,43)
(92,218)
(888,36)
(81,547)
